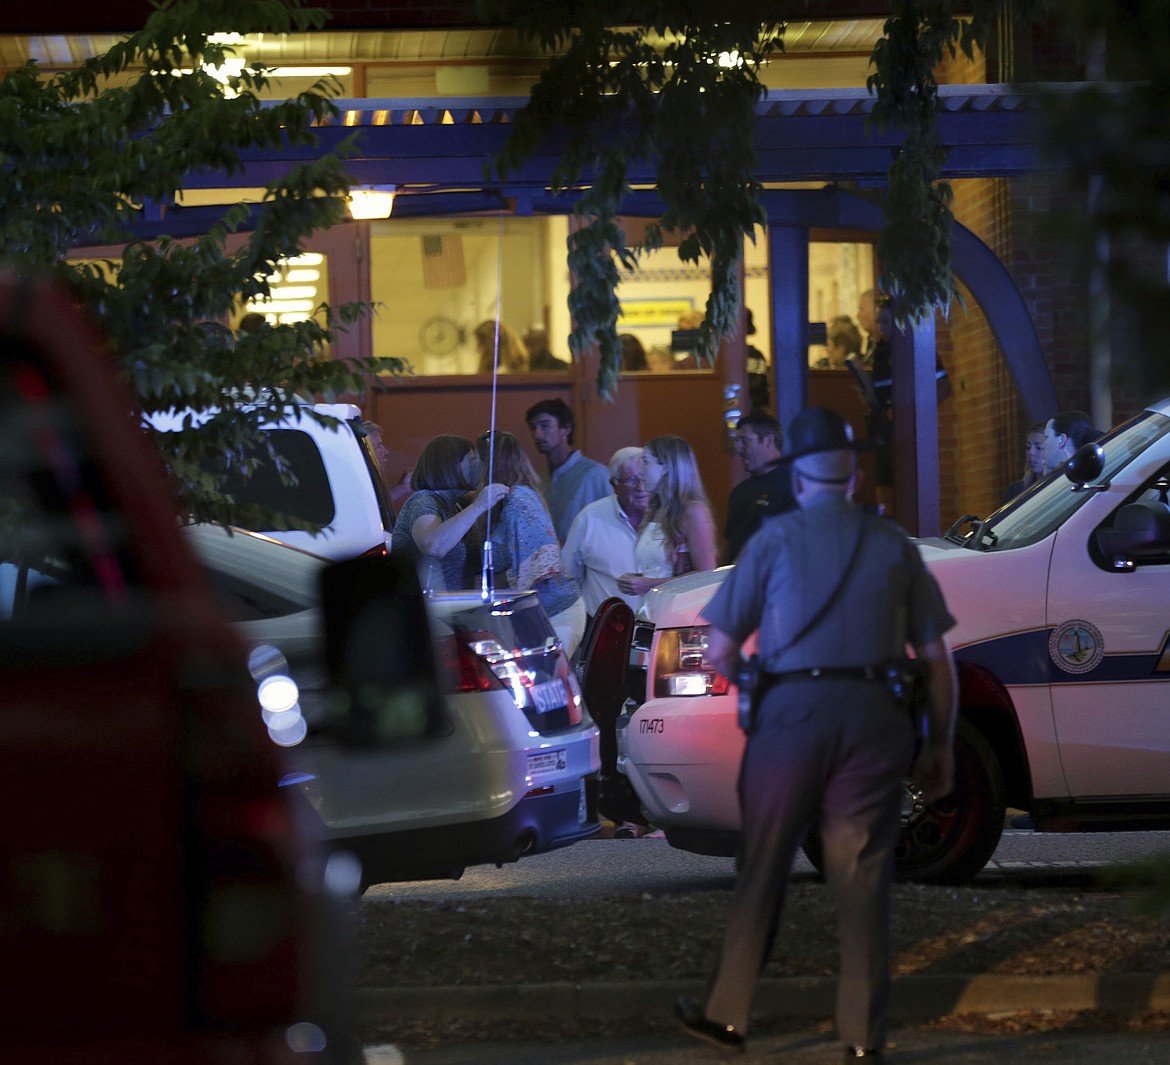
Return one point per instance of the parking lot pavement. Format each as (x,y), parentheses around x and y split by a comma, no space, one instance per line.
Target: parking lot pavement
(908,1046)
(1022,855)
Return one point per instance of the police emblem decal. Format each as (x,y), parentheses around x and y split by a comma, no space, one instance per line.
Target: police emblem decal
(1076,646)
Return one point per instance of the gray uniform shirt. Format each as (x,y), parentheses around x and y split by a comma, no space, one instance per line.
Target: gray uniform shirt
(790,568)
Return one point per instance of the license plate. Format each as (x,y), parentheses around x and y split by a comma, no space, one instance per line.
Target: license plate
(547,762)
(548,696)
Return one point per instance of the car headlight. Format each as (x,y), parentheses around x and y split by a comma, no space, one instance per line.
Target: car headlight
(681,666)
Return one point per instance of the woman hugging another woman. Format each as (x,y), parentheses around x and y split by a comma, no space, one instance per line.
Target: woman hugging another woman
(432,525)
(525,548)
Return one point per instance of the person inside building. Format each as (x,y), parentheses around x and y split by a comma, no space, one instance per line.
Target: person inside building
(678,532)
(601,540)
(767,489)
(867,320)
(574,481)
(633,354)
(759,390)
(540,357)
(684,341)
(1034,444)
(513,353)
(842,339)
(836,595)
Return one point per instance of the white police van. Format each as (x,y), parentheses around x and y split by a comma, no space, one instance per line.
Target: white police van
(1062,599)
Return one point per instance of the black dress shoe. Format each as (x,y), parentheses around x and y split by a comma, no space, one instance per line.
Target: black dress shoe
(861,1053)
(691,1017)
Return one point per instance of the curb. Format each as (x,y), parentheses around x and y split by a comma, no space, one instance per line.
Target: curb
(915,998)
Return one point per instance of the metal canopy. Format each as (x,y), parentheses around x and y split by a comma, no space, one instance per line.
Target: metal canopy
(425,146)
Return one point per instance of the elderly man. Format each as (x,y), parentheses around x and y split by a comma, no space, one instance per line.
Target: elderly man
(600,544)
(837,596)
(767,489)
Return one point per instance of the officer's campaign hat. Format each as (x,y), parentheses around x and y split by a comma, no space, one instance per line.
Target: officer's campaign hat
(816,429)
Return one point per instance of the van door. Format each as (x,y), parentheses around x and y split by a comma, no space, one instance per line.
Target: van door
(1109,647)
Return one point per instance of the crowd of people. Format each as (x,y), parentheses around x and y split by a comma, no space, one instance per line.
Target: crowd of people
(833,593)
(579,532)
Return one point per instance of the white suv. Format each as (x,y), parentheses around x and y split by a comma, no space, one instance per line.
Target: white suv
(1063,653)
(338,483)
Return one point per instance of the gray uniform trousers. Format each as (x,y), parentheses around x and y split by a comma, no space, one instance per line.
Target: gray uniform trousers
(833,752)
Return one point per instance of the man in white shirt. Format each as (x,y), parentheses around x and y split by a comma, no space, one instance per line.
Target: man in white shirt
(600,544)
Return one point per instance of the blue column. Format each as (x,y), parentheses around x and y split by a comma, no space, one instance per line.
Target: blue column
(916,492)
(788,271)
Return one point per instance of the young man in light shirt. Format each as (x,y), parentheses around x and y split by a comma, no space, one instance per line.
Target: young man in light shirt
(574,481)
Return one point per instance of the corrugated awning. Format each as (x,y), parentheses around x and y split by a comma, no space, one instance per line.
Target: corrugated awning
(434,151)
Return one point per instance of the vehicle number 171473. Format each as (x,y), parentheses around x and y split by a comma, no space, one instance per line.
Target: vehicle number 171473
(652,724)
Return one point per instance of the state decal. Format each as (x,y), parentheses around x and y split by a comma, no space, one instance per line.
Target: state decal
(1076,646)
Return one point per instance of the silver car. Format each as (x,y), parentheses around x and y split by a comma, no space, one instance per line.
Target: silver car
(514,769)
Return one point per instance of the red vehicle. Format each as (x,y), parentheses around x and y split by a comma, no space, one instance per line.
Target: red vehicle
(153,898)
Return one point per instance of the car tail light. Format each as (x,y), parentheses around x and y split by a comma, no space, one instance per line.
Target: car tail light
(538,678)
(377,551)
(681,666)
(466,662)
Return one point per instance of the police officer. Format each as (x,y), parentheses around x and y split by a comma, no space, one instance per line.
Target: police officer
(836,594)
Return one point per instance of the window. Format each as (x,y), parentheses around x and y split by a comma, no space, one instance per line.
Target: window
(438,282)
(308,497)
(839,273)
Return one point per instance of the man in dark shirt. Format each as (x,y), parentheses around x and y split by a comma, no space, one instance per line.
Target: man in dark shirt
(768,488)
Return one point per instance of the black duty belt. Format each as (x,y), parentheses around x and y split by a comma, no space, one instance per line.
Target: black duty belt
(870,673)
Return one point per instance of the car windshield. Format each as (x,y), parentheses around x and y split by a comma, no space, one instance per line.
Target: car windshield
(258,577)
(515,620)
(1046,506)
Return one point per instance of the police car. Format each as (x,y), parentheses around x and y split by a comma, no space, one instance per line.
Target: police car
(1063,655)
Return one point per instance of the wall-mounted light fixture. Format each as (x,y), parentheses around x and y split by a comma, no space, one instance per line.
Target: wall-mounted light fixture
(371,201)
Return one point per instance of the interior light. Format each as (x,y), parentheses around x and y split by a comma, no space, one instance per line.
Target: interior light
(371,201)
(309,72)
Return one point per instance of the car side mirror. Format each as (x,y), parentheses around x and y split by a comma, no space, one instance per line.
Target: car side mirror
(379,654)
(1086,465)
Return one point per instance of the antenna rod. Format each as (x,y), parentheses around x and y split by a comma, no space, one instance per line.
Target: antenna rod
(487,574)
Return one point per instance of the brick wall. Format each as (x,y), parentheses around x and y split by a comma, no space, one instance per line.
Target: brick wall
(981,425)
(988,420)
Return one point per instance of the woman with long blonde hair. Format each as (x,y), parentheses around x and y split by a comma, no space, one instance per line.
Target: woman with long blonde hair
(525,548)
(513,353)
(678,532)
(1033,462)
